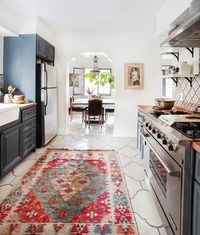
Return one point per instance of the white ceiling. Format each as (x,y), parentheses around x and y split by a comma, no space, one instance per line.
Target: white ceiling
(93,16)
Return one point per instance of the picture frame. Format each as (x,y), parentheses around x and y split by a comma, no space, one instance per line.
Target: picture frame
(134,76)
(78,81)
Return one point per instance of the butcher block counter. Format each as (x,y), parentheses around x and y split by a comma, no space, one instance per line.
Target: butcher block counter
(150,109)
(196,146)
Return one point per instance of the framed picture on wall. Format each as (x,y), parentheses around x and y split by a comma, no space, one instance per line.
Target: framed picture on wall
(78,81)
(134,76)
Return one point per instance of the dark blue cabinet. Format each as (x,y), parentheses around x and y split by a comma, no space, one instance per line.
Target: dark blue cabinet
(11,148)
(196,209)
(197,167)
(45,50)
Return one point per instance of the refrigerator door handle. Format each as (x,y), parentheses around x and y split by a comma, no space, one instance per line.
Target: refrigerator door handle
(45,88)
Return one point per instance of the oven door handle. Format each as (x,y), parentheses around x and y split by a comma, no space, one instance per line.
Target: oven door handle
(169,171)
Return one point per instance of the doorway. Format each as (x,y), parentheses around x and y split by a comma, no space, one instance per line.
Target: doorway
(80,89)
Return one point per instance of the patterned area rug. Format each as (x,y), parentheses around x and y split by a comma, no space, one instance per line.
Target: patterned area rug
(70,192)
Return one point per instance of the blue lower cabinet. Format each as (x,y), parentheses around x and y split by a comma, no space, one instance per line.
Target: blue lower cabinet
(197,168)
(196,209)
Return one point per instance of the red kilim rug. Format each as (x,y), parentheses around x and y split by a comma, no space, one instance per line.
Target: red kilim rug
(70,192)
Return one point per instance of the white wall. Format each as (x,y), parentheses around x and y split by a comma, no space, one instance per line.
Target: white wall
(127,48)
(169,12)
(8,18)
(34,24)
(1,55)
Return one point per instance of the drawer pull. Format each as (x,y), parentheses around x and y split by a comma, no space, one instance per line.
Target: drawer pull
(28,135)
(29,146)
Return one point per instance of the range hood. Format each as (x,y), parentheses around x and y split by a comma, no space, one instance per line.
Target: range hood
(188,33)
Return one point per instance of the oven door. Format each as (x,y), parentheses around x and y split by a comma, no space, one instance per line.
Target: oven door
(165,178)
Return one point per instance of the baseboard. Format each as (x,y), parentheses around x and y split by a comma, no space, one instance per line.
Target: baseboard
(125,133)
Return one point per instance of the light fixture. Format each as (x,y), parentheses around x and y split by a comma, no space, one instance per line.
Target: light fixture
(95,70)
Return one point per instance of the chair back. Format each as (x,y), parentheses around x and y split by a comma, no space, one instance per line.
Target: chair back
(71,99)
(95,107)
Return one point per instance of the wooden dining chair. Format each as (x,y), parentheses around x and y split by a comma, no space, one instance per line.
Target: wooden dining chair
(95,109)
(76,108)
(109,109)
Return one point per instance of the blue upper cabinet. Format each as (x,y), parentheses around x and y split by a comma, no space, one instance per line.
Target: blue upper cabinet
(19,66)
(20,58)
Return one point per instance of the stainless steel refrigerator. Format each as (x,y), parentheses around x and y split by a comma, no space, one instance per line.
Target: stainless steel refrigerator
(46,98)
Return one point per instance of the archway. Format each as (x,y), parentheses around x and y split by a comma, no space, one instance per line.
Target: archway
(84,61)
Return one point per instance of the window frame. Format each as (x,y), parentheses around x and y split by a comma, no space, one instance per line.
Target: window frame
(104,94)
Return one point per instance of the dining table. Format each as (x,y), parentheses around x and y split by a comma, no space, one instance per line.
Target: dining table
(84,102)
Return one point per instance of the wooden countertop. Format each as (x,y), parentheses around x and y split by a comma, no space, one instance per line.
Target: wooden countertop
(150,109)
(196,146)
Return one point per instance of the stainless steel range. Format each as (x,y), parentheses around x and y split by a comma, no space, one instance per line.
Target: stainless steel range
(168,162)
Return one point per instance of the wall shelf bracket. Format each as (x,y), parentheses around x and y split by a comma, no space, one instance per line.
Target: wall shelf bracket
(191,50)
(175,80)
(189,80)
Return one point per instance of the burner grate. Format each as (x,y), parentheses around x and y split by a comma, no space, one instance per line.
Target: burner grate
(190,129)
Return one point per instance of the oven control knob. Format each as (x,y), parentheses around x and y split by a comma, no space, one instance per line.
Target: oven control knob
(164,141)
(147,124)
(150,127)
(154,130)
(171,147)
(159,135)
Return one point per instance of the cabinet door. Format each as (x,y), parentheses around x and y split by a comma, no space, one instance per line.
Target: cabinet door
(196,209)
(41,47)
(197,167)
(45,50)
(50,52)
(11,148)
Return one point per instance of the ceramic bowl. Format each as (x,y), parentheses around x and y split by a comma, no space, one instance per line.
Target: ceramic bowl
(19,97)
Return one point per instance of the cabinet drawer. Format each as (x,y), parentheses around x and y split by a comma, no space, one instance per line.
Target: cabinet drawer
(197,167)
(28,135)
(28,113)
(28,147)
(29,124)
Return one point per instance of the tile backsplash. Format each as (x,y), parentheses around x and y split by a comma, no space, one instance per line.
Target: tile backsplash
(187,97)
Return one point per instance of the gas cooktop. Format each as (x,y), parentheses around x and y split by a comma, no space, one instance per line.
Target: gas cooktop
(190,129)
(157,113)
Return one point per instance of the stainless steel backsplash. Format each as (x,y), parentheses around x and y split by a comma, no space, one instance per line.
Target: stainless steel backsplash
(187,97)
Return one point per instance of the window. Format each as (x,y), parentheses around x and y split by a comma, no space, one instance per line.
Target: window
(167,88)
(98,89)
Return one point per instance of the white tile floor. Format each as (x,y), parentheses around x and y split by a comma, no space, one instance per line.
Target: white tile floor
(147,217)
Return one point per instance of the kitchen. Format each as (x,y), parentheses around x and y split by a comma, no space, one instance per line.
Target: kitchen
(66,46)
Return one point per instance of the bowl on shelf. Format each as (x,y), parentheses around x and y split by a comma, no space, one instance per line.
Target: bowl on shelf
(164,103)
